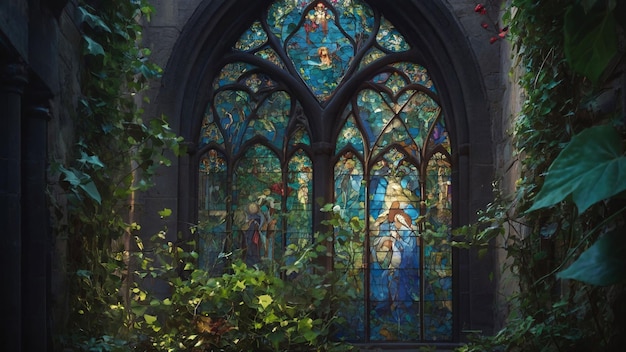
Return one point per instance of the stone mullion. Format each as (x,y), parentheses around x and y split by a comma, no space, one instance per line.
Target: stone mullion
(322,190)
(13,79)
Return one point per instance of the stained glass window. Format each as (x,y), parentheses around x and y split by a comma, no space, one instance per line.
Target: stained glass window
(390,163)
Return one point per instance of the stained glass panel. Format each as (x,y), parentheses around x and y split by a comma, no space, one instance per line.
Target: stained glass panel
(389,38)
(437,251)
(395,250)
(257,81)
(349,256)
(371,56)
(300,137)
(230,74)
(257,197)
(392,163)
(254,37)
(271,56)
(271,119)
(321,38)
(374,114)
(299,193)
(233,108)
(209,132)
(416,73)
(212,210)
(350,135)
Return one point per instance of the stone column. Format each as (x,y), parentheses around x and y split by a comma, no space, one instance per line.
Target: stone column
(13,79)
(36,244)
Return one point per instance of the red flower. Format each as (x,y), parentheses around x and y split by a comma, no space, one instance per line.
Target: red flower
(480,8)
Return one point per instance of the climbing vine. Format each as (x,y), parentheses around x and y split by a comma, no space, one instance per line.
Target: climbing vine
(563,227)
(116,155)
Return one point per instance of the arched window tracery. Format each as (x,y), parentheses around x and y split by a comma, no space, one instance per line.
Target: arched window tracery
(391,164)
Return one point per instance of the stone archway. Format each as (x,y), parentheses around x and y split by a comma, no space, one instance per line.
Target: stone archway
(216,24)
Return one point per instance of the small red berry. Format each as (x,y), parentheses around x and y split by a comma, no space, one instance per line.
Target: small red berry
(485,25)
(479,8)
(493,40)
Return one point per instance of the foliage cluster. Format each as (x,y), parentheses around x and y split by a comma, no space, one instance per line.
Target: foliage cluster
(116,154)
(563,228)
(286,305)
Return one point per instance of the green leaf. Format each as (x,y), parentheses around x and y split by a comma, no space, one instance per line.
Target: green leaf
(165,212)
(590,40)
(265,301)
(591,168)
(70,176)
(150,319)
(93,47)
(93,21)
(91,160)
(603,263)
(91,190)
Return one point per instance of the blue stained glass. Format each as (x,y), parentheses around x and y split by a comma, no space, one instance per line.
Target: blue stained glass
(321,38)
(393,135)
(257,82)
(374,113)
(271,56)
(212,208)
(439,136)
(395,248)
(349,257)
(350,135)
(254,37)
(349,187)
(320,52)
(209,132)
(389,38)
(271,119)
(299,137)
(233,108)
(231,73)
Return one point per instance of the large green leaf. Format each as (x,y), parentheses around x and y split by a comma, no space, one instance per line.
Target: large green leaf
(92,20)
(91,190)
(590,40)
(93,47)
(591,168)
(603,263)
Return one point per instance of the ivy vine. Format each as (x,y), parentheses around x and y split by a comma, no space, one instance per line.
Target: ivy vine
(116,155)
(563,228)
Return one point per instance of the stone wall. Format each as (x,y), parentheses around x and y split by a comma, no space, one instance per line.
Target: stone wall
(39,57)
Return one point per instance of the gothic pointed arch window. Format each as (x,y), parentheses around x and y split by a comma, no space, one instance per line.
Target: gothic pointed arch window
(327,98)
